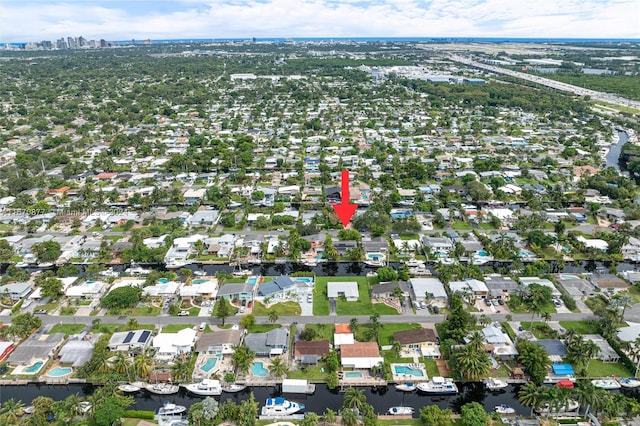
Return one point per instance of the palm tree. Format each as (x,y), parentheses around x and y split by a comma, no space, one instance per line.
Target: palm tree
(278,368)
(242,358)
(11,410)
(133,324)
(120,363)
(329,416)
(396,347)
(180,370)
(354,398)
(102,364)
(476,341)
(472,363)
(273,316)
(531,395)
(349,416)
(143,366)
(546,316)
(591,350)
(353,323)
(586,394)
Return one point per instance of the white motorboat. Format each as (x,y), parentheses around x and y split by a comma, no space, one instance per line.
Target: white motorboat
(606,384)
(406,387)
(233,388)
(280,407)
(22,265)
(504,409)
(415,263)
(29,409)
(400,411)
(571,405)
(109,273)
(438,386)
(128,388)
(45,264)
(207,387)
(629,382)
(136,269)
(495,384)
(162,388)
(199,273)
(242,273)
(171,409)
(85,407)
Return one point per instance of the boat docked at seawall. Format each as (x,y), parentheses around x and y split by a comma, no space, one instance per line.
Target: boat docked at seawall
(400,411)
(629,382)
(606,384)
(207,387)
(280,407)
(171,409)
(438,386)
(406,387)
(129,388)
(162,388)
(495,384)
(569,406)
(233,388)
(504,409)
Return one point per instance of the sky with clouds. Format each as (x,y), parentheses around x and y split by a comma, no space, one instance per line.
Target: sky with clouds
(30,20)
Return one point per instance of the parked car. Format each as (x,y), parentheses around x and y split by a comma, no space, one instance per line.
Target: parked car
(500,302)
(41,311)
(487,302)
(183,313)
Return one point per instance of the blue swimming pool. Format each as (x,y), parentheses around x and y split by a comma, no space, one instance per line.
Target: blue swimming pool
(199,281)
(482,253)
(207,366)
(526,253)
(375,256)
(163,280)
(252,280)
(258,369)
(353,374)
(306,280)
(403,369)
(34,368)
(59,371)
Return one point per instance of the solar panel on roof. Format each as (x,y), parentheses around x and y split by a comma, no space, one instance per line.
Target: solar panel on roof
(129,337)
(143,336)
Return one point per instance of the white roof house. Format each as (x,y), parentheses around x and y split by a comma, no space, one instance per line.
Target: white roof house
(423,286)
(347,289)
(503,347)
(88,289)
(527,281)
(476,287)
(340,339)
(208,288)
(168,345)
(596,243)
(629,334)
(162,289)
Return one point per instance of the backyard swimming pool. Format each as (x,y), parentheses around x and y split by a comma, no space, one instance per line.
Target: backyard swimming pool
(375,256)
(482,253)
(59,371)
(403,369)
(34,368)
(526,253)
(258,369)
(306,280)
(207,366)
(252,280)
(199,281)
(353,374)
(163,280)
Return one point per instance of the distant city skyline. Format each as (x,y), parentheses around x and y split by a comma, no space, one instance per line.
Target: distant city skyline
(31,21)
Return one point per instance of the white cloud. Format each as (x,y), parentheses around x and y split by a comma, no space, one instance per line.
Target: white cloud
(31,21)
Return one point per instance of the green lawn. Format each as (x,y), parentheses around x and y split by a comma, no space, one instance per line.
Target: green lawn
(598,368)
(312,372)
(149,311)
(581,327)
(431,367)
(517,307)
(540,330)
(283,309)
(52,306)
(320,299)
(174,328)
(67,329)
(461,226)
(193,312)
(323,331)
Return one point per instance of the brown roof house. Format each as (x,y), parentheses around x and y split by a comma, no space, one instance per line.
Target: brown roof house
(310,352)
(609,283)
(422,341)
(361,355)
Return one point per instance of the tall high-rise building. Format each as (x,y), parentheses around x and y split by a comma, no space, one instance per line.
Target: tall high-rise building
(61,43)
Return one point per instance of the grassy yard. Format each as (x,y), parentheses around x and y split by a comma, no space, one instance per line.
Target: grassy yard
(283,309)
(67,329)
(312,372)
(598,368)
(431,367)
(52,306)
(387,330)
(540,329)
(581,327)
(518,307)
(174,328)
(320,299)
(323,331)
(461,226)
(502,371)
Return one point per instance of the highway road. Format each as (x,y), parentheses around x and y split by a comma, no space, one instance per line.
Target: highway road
(600,96)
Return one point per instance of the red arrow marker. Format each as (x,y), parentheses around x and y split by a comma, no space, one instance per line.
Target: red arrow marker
(345,210)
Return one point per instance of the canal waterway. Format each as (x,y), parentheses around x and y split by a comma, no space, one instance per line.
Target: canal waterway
(614,152)
(381,397)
